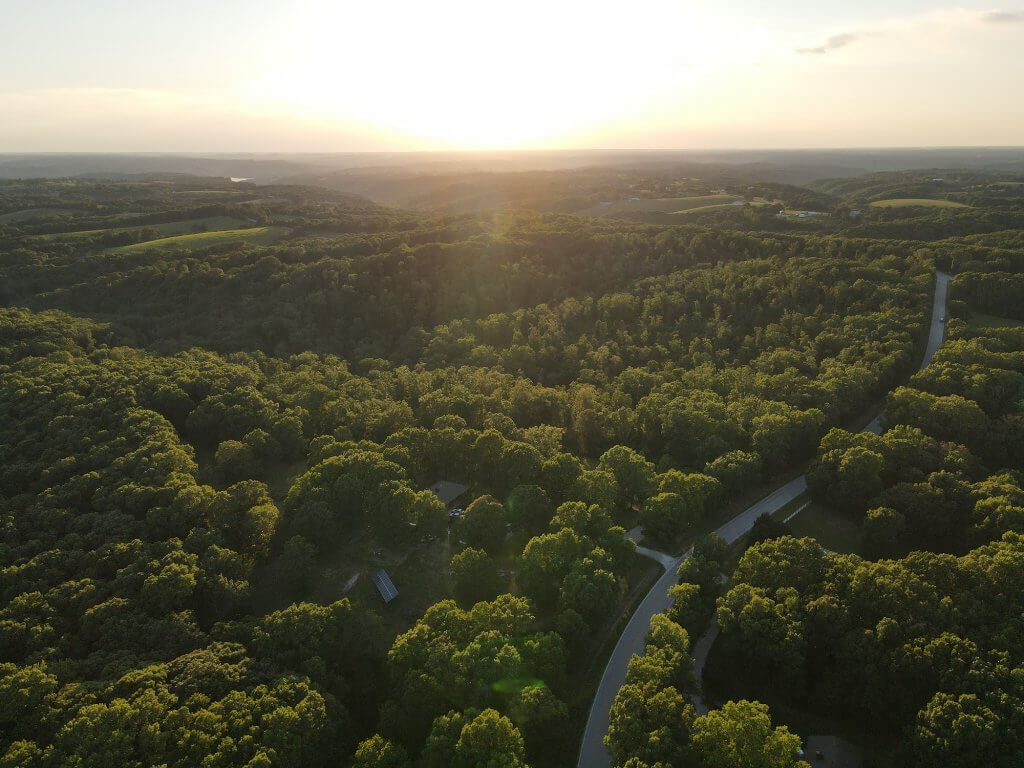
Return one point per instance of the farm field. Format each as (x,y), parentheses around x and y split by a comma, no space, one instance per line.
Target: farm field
(917,202)
(208,223)
(718,207)
(656,205)
(255,235)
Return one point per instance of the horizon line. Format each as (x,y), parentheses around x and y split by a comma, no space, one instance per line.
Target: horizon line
(519,150)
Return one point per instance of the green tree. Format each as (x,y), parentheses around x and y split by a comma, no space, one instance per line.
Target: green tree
(740,735)
(584,520)
(474,576)
(483,524)
(634,475)
(378,752)
(530,507)
(490,740)
(668,518)
(545,562)
(542,718)
(234,461)
(298,564)
(966,730)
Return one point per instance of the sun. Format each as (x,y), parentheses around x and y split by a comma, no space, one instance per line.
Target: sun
(471,75)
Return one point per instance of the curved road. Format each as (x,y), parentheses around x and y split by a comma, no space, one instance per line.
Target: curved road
(593,753)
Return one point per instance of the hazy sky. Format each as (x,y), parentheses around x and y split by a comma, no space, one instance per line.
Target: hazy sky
(313,75)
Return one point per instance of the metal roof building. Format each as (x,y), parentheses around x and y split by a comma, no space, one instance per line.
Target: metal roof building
(385,585)
(447,491)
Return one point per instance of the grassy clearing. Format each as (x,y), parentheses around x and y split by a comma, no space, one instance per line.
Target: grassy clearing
(979,321)
(655,205)
(422,579)
(702,208)
(917,202)
(832,530)
(210,192)
(256,235)
(208,223)
(421,576)
(757,203)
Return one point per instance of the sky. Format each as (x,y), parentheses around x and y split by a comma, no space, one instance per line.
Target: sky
(322,76)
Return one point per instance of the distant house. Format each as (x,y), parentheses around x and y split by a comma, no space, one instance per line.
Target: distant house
(447,491)
(385,585)
(856,213)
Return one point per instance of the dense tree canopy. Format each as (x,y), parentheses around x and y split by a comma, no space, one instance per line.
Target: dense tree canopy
(222,405)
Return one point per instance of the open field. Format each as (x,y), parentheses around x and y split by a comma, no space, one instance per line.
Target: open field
(655,205)
(256,235)
(208,223)
(211,192)
(917,202)
(831,529)
(703,208)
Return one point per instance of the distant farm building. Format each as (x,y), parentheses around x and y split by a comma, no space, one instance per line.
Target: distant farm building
(447,491)
(385,585)
(787,214)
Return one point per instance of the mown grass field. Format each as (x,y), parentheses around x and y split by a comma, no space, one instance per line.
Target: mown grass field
(917,202)
(208,223)
(255,235)
(702,208)
(756,203)
(655,205)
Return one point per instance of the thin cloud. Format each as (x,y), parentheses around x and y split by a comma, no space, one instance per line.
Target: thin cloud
(833,43)
(945,18)
(1003,17)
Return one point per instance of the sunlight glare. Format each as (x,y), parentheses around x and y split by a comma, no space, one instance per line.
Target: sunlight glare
(479,76)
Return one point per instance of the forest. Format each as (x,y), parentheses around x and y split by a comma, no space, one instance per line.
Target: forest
(223,406)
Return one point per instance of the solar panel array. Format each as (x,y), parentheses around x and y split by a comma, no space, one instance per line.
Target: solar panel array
(385,586)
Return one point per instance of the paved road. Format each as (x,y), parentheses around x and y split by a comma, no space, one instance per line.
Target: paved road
(592,750)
